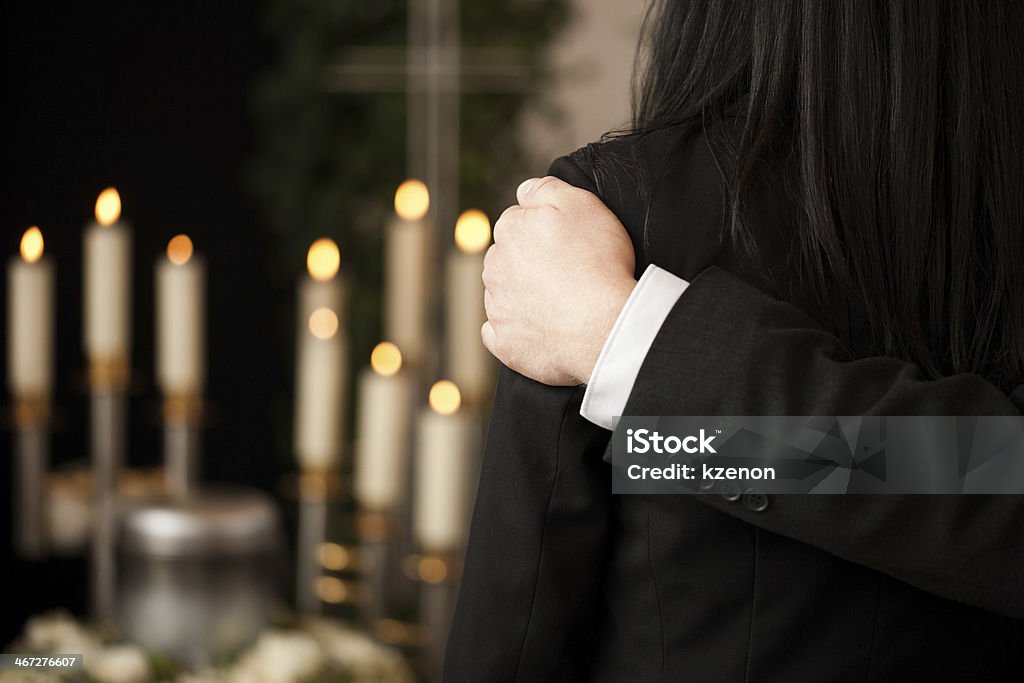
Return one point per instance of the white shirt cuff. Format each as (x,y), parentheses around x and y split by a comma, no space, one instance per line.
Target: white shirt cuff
(624,352)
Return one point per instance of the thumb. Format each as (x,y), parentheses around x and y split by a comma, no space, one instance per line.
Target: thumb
(534,192)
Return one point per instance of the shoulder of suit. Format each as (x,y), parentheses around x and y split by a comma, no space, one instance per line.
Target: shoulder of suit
(616,167)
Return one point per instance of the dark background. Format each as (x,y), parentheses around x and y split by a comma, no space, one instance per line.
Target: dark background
(151,98)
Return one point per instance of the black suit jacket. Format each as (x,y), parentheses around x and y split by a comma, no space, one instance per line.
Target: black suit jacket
(564,581)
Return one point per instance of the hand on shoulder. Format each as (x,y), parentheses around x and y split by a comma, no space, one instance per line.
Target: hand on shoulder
(556,278)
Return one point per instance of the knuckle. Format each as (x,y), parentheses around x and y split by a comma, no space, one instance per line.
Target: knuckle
(494,313)
(548,184)
(500,347)
(501,226)
(584,197)
(543,184)
(544,192)
(488,272)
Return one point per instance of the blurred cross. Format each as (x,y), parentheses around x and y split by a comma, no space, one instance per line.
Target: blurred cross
(433,70)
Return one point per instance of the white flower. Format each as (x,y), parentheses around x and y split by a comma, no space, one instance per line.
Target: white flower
(25,676)
(358,653)
(57,632)
(279,657)
(118,664)
(211,676)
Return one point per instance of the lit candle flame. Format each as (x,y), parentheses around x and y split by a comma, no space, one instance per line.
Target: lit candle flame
(323,259)
(412,200)
(108,207)
(323,323)
(179,250)
(472,232)
(386,359)
(32,245)
(445,398)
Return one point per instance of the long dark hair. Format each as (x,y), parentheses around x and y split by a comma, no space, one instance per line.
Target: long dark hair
(902,123)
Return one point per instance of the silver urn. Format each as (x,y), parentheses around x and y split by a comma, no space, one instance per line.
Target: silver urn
(199,577)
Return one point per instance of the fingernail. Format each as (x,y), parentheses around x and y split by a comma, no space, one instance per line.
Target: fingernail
(526,186)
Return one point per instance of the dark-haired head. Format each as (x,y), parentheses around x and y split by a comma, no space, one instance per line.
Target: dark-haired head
(901,124)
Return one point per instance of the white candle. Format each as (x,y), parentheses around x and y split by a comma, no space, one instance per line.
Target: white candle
(441,507)
(108,283)
(181,321)
(406,271)
(469,363)
(385,402)
(322,352)
(30,281)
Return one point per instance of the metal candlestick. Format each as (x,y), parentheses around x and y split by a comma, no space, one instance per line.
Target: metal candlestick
(316,490)
(32,448)
(405,587)
(378,561)
(108,412)
(181,445)
(438,576)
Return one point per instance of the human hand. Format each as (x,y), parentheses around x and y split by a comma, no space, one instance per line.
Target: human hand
(556,278)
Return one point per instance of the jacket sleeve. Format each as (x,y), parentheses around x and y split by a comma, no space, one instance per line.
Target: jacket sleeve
(538,537)
(728,349)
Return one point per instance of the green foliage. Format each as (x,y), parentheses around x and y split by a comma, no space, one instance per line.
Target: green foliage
(327,163)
